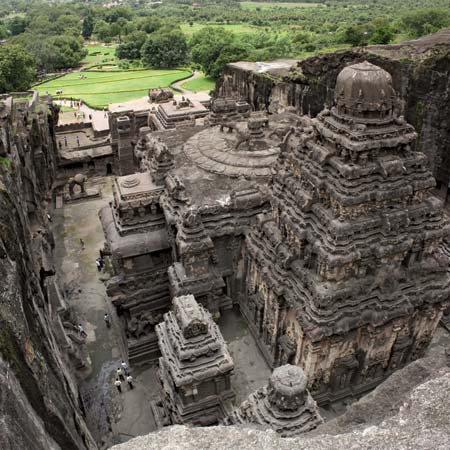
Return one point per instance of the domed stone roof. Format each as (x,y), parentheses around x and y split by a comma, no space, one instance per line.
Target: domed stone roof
(364,89)
(287,387)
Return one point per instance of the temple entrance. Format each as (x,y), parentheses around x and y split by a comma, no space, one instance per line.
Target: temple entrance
(109,169)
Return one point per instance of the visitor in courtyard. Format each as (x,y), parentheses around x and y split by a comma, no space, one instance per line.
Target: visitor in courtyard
(65,141)
(78,141)
(98,264)
(81,330)
(82,244)
(90,117)
(107,320)
(120,374)
(130,381)
(118,385)
(49,217)
(125,368)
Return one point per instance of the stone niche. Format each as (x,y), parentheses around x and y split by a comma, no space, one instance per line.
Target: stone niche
(194,369)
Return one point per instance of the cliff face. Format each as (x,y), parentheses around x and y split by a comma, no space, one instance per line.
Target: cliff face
(39,406)
(420,70)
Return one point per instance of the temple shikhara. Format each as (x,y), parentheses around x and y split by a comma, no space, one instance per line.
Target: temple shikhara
(323,231)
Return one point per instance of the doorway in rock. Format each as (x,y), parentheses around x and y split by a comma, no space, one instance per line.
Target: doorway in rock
(109,169)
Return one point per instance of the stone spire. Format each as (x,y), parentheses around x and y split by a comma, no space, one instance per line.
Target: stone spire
(195,366)
(284,405)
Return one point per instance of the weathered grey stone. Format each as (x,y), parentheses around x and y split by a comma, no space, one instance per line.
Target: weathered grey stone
(419,421)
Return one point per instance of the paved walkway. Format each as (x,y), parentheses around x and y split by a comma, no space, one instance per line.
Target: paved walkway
(99,120)
(113,418)
(178,84)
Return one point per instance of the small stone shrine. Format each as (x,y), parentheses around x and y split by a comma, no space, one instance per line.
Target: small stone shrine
(284,405)
(195,367)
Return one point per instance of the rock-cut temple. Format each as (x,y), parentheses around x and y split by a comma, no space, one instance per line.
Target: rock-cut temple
(324,231)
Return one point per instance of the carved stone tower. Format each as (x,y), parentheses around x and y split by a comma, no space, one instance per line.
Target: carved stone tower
(284,405)
(195,367)
(345,275)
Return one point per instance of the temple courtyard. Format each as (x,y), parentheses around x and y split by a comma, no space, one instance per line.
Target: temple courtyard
(122,416)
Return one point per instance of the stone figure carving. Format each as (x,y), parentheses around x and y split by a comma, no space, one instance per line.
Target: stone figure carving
(78,180)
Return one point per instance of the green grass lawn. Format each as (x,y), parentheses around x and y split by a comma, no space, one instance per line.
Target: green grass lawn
(99,89)
(273,5)
(201,83)
(97,54)
(189,30)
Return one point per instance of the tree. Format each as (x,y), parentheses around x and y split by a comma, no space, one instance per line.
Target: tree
(17,25)
(212,47)
(102,31)
(17,68)
(355,36)
(131,48)
(425,21)
(88,26)
(165,49)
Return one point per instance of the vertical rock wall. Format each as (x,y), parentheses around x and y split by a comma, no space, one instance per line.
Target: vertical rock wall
(39,401)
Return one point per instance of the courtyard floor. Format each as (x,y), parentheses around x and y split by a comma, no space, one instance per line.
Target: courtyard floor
(113,417)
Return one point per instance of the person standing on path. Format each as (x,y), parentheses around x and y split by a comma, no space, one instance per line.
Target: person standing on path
(82,244)
(107,320)
(81,330)
(118,385)
(130,381)
(98,264)
(120,374)
(125,369)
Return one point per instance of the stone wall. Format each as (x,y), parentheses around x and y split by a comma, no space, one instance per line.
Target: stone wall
(39,401)
(420,70)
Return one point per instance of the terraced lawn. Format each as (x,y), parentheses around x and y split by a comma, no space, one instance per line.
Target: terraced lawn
(199,84)
(101,88)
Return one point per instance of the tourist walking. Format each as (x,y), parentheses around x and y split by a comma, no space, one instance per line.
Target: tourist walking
(78,141)
(125,368)
(120,374)
(65,141)
(107,320)
(82,244)
(98,264)
(130,381)
(118,385)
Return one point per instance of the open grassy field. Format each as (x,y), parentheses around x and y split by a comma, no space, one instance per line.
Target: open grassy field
(272,5)
(99,89)
(189,30)
(99,54)
(201,83)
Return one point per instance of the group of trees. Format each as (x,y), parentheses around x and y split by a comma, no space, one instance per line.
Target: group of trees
(49,35)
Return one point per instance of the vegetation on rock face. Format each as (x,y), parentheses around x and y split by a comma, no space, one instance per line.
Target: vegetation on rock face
(209,33)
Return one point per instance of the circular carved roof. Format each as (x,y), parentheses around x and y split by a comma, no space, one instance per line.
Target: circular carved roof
(288,380)
(130,182)
(222,153)
(364,88)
